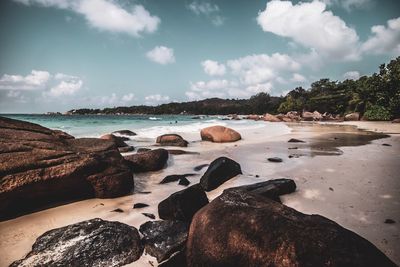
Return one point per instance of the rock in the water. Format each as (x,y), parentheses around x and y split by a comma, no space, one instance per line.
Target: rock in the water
(89,243)
(200,167)
(294,140)
(352,117)
(243,229)
(183,181)
(163,238)
(118,141)
(271,118)
(275,159)
(153,160)
(126,149)
(220,170)
(171,140)
(219,134)
(149,215)
(175,177)
(182,205)
(40,167)
(125,132)
(140,205)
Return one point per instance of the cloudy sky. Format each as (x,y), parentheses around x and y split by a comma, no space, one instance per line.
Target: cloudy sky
(56,55)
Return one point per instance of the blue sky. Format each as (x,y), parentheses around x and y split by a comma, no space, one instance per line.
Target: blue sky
(58,55)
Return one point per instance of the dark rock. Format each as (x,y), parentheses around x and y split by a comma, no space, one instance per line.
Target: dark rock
(163,238)
(143,192)
(220,170)
(183,181)
(294,140)
(182,205)
(176,260)
(175,177)
(171,140)
(200,167)
(275,159)
(149,215)
(118,140)
(181,152)
(126,149)
(390,221)
(125,132)
(244,229)
(143,149)
(293,147)
(89,243)
(386,145)
(118,210)
(330,188)
(41,168)
(139,205)
(153,160)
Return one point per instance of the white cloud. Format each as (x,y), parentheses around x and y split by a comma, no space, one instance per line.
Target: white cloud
(128,97)
(351,75)
(298,78)
(384,39)
(156,99)
(210,11)
(309,24)
(35,80)
(213,68)
(162,55)
(106,15)
(68,85)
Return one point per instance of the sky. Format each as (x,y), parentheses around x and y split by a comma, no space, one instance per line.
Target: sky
(58,55)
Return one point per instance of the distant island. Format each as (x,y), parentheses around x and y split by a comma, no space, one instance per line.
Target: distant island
(375,97)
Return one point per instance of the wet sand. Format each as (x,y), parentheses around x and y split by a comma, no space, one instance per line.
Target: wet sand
(341,173)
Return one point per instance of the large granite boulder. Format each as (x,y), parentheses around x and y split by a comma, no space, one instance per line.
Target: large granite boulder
(220,170)
(40,168)
(89,243)
(152,160)
(164,238)
(271,118)
(182,205)
(243,229)
(171,140)
(352,117)
(219,134)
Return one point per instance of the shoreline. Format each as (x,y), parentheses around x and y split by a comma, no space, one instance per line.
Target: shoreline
(312,196)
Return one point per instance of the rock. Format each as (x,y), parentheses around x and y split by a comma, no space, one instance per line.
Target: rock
(390,221)
(352,117)
(271,118)
(219,134)
(293,115)
(396,120)
(89,243)
(183,181)
(293,147)
(181,152)
(275,159)
(175,177)
(163,238)
(118,141)
(140,205)
(182,205)
(143,149)
(126,149)
(149,215)
(200,167)
(294,140)
(176,260)
(153,160)
(171,140)
(253,117)
(220,170)
(41,168)
(257,231)
(386,144)
(311,116)
(118,210)
(125,132)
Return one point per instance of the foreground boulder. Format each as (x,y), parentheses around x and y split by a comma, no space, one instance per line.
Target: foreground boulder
(89,243)
(244,229)
(352,117)
(219,134)
(182,205)
(163,238)
(119,141)
(220,170)
(153,160)
(171,140)
(41,168)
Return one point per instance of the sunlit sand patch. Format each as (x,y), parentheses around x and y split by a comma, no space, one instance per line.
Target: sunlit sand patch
(312,194)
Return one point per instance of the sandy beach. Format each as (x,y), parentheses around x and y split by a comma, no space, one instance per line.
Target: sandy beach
(342,173)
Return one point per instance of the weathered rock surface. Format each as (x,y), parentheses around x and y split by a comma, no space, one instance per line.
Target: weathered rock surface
(220,170)
(118,141)
(200,167)
(171,140)
(175,177)
(275,159)
(352,117)
(126,149)
(89,243)
(40,167)
(219,134)
(143,149)
(396,121)
(152,160)
(182,205)
(260,232)
(294,140)
(163,238)
(125,132)
(271,118)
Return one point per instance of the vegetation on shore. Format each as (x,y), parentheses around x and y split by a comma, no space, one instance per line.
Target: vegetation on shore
(375,97)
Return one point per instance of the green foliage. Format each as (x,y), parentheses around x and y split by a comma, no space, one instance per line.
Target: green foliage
(377,113)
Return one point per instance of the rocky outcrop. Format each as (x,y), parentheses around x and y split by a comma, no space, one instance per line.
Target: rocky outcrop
(220,170)
(271,118)
(311,116)
(125,132)
(89,243)
(41,168)
(118,141)
(243,229)
(219,134)
(175,177)
(171,140)
(164,238)
(126,149)
(153,160)
(352,117)
(182,205)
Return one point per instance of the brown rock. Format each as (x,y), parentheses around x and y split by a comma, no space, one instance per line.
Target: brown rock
(352,117)
(152,160)
(396,121)
(219,134)
(171,140)
(118,141)
(253,117)
(40,167)
(271,118)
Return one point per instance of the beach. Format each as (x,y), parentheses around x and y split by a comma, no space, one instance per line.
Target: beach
(341,172)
